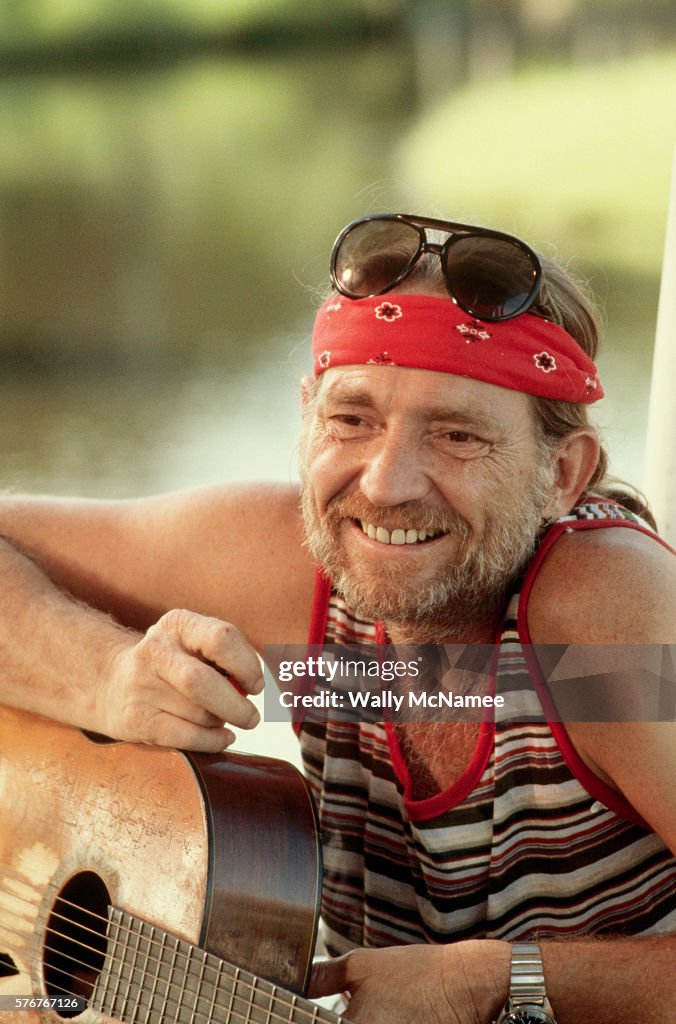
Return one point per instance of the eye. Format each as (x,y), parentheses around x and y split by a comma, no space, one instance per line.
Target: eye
(464,445)
(461,436)
(347,425)
(348,420)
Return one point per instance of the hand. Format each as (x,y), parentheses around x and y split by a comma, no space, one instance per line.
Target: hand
(461,983)
(173,686)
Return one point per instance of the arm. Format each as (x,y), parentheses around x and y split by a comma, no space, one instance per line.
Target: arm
(597,980)
(619,588)
(234,553)
(224,555)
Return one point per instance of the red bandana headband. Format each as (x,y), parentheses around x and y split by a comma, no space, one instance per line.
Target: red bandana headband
(526,353)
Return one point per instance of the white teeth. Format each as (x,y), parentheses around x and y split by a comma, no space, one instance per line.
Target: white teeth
(397,536)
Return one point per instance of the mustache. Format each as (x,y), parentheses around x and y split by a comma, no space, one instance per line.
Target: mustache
(408,515)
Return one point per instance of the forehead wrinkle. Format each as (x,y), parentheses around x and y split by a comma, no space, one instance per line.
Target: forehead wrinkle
(359,396)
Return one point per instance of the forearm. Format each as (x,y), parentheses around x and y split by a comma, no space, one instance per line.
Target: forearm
(53,648)
(601,980)
(607,980)
(86,547)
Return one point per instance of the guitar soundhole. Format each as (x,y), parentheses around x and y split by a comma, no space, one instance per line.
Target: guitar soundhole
(7,966)
(75,940)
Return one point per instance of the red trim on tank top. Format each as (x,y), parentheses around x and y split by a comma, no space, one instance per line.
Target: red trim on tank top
(440,803)
(447,799)
(430,807)
(320,607)
(318,618)
(595,786)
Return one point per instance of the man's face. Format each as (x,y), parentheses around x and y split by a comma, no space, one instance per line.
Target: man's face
(423,492)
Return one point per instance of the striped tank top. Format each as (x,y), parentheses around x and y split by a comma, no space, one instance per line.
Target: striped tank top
(527,842)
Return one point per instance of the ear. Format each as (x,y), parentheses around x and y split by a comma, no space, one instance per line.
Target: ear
(307,388)
(574,463)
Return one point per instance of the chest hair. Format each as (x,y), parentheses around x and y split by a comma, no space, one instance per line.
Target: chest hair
(436,753)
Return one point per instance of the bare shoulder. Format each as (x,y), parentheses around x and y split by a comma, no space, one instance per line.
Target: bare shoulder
(236,552)
(237,506)
(615,585)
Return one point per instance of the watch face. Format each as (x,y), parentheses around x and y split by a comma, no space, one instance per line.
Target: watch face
(528,1015)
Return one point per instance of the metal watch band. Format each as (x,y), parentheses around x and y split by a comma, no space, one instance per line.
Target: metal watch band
(527,979)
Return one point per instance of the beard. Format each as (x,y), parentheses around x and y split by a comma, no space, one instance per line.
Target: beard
(463,596)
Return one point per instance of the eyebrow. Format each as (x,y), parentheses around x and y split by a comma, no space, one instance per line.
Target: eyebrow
(346,396)
(357,398)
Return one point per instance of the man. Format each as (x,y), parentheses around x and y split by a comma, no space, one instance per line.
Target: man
(448,476)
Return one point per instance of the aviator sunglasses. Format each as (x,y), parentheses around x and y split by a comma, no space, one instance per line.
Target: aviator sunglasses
(491,275)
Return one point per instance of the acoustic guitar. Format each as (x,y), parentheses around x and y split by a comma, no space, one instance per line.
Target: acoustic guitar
(148,886)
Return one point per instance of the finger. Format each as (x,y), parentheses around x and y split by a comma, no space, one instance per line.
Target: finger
(199,684)
(165,730)
(328,977)
(171,701)
(220,643)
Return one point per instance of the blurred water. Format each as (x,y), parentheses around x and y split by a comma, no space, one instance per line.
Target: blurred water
(115,437)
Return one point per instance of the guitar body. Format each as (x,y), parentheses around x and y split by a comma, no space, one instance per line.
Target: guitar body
(221,851)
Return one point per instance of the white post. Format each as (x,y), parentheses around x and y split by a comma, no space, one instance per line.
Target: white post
(660,474)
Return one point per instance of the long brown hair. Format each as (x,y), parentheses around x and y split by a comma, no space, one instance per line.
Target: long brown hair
(569,303)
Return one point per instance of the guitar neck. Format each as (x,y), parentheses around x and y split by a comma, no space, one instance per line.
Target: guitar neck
(152,977)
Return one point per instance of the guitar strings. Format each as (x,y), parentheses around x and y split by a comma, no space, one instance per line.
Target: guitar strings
(178,1000)
(240,983)
(168,1002)
(178,1004)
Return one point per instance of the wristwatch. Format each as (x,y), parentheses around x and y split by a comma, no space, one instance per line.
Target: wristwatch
(527,1002)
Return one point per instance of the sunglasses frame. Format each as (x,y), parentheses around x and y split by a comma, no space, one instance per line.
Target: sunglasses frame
(456,233)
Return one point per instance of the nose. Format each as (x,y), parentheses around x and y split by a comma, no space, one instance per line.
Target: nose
(394,472)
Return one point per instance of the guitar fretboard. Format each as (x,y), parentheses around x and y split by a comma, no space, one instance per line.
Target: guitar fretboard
(152,977)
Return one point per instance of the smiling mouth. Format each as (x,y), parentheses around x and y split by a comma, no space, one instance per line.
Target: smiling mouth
(399,535)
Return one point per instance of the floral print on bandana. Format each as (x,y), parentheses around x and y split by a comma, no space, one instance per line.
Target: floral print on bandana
(381,360)
(473,331)
(591,383)
(388,311)
(544,361)
(324,359)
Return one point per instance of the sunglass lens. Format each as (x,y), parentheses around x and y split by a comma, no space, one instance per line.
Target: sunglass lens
(490,277)
(374,255)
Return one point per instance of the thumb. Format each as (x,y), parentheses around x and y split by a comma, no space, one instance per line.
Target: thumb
(328,977)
